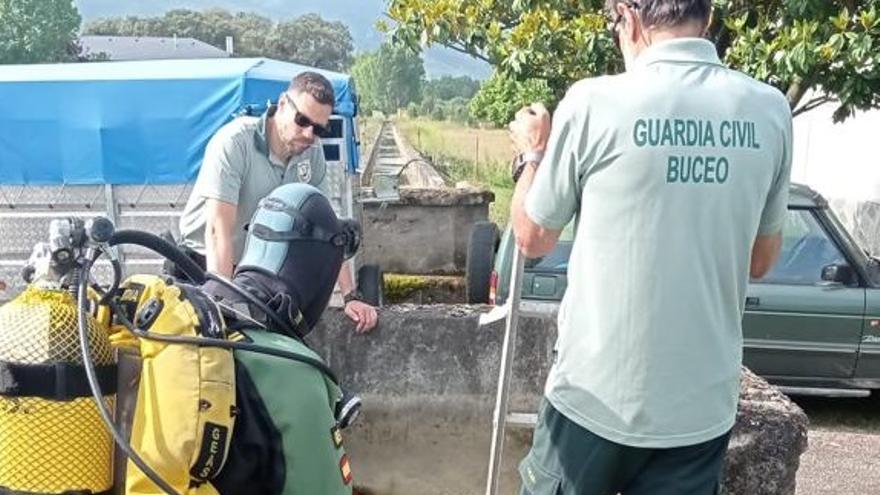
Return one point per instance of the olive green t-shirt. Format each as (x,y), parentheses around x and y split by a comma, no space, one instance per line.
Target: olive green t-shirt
(671,170)
(239,169)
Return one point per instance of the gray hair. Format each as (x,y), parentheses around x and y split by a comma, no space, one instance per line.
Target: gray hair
(666,13)
(315,85)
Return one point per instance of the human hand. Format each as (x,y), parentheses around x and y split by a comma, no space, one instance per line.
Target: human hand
(530,129)
(364,315)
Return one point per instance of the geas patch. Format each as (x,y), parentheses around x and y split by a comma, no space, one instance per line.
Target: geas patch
(336,435)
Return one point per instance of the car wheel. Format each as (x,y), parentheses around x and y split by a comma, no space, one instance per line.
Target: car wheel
(371,285)
(480,258)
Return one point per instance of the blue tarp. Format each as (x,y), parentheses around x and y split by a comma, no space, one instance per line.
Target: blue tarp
(143,122)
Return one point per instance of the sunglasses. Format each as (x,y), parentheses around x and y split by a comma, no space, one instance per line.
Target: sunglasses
(302,120)
(615,34)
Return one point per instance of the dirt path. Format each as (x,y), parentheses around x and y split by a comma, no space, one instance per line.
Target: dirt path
(840,463)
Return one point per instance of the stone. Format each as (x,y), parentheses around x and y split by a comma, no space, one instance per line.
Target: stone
(769,437)
(428,376)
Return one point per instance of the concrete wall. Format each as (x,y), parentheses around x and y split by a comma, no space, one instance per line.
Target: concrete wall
(428,376)
(433,223)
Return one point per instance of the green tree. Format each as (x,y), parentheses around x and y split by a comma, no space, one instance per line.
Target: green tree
(388,79)
(250,34)
(427,106)
(38,31)
(308,39)
(312,41)
(831,47)
(501,96)
(412,110)
(449,87)
(456,110)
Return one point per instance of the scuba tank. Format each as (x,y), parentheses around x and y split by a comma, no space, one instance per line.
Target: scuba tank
(52,438)
(288,414)
(185,410)
(191,391)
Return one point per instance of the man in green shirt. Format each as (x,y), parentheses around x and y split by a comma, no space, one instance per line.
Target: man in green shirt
(677,173)
(246,160)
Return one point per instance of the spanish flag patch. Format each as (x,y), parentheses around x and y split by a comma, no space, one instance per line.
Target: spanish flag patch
(345,469)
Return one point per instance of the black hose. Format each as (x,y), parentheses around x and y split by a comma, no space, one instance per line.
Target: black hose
(97,393)
(194,272)
(196,275)
(223,344)
(114,286)
(155,243)
(272,315)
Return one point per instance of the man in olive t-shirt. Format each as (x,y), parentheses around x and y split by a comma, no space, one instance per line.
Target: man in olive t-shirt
(246,160)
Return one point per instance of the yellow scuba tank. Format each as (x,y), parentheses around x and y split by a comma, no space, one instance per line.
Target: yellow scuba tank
(184,415)
(52,439)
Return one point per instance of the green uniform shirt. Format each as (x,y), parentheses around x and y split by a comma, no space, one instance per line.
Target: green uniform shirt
(672,169)
(238,168)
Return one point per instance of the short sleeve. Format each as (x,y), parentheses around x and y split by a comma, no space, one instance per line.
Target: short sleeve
(776,205)
(553,198)
(324,184)
(223,169)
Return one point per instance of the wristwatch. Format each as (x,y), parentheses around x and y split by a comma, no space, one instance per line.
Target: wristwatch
(521,160)
(354,295)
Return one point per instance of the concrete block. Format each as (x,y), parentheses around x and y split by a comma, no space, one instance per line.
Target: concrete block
(428,376)
(426,232)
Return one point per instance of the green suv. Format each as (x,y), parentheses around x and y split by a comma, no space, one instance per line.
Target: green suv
(811,325)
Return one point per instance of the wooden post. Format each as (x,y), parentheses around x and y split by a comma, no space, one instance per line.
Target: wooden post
(476,157)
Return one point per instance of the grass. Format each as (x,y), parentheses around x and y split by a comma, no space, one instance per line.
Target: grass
(463,154)
(368,129)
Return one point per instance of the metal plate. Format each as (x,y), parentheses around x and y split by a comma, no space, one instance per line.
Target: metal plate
(152,197)
(52,197)
(20,231)
(155,223)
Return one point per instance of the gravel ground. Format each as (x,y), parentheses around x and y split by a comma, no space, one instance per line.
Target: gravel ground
(840,463)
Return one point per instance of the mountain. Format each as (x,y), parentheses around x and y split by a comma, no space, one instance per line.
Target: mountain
(359,15)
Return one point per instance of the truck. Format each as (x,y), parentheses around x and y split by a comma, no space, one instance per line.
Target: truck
(125,140)
(811,325)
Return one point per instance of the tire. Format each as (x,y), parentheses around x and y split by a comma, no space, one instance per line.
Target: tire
(480,261)
(371,285)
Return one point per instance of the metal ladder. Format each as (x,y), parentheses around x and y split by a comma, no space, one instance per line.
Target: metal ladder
(501,418)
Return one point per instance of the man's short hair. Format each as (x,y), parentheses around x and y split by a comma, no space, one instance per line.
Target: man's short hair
(666,13)
(314,84)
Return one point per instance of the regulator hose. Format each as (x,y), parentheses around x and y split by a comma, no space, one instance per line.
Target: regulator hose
(91,375)
(164,248)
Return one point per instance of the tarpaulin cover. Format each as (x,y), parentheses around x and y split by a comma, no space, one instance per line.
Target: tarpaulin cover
(140,122)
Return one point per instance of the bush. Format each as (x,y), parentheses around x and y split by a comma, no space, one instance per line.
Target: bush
(437,113)
(500,98)
(457,110)
(412,110)
(427,106)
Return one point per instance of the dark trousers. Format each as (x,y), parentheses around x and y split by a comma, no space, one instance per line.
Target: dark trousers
(567,459)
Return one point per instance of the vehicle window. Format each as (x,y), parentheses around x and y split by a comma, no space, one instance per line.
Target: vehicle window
(557,259)
(806,249)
